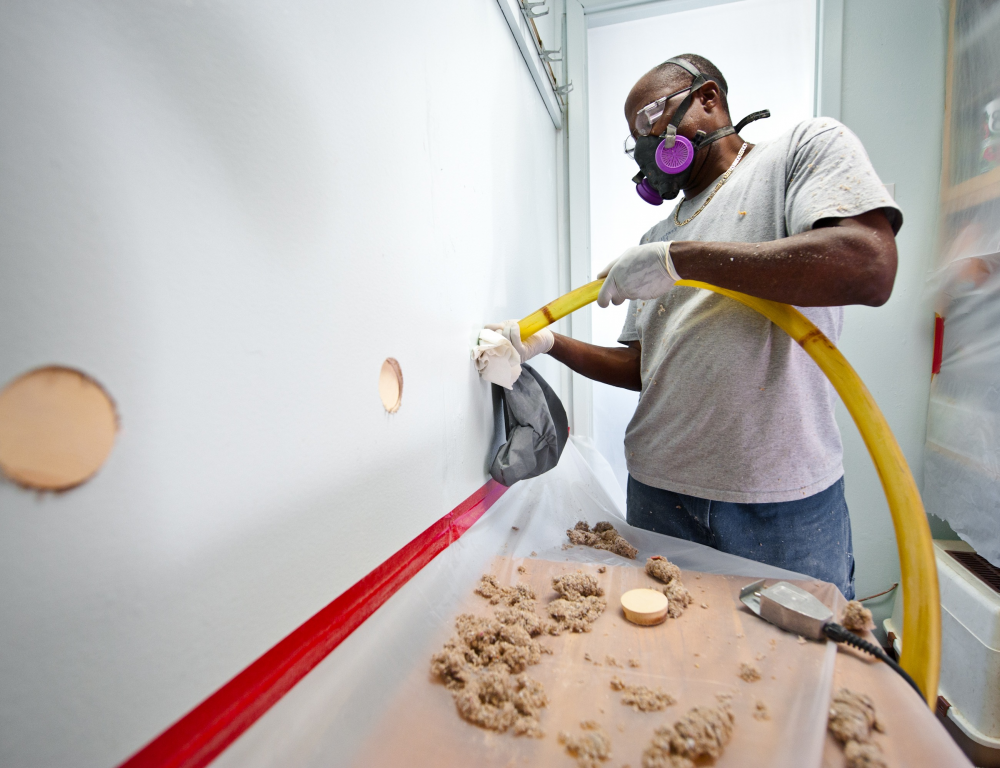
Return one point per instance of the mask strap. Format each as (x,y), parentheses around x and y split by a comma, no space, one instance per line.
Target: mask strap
(685,65)
(699,80)
(751,118)
(671,133)
(692,70)
(701,139)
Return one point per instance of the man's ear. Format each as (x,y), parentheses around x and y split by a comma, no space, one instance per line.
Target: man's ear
(710,97)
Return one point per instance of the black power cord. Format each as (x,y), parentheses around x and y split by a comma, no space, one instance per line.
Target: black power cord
(840,634)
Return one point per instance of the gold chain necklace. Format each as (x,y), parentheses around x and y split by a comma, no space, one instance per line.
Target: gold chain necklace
(723,180)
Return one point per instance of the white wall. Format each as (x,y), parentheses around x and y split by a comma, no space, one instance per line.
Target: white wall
(230,214)
(777,77)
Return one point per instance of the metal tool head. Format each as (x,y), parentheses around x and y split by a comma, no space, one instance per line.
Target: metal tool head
(750,595)
(789,607)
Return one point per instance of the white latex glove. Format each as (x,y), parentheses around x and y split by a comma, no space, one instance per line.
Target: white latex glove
(538,343)
(496,359)
(642,272)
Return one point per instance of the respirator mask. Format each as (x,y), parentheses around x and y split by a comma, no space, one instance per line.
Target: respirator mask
(665,160)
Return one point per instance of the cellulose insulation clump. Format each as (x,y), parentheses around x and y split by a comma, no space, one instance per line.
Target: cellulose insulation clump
(604,536)
(580,604)
(853,722)
(589,749)
(856,617)
(702,732)
(677,594)
(484,663)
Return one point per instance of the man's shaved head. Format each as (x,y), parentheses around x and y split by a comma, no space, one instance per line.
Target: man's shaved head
(668,77)
(679,74)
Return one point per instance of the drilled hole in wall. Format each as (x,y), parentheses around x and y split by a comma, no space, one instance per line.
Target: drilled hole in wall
(390,384)
(57,427)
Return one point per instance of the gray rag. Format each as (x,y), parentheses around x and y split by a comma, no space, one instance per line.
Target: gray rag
(536,426)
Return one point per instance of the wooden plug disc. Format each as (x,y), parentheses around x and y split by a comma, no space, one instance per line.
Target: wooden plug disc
(645,606)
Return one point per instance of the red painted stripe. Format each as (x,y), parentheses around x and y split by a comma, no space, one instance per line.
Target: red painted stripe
(938,344)
(198,737)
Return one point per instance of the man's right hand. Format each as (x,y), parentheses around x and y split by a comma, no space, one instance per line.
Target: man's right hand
(639,273)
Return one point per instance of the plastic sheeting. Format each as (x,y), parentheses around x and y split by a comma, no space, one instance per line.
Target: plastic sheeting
(695,658)
(962,457)
(336,712)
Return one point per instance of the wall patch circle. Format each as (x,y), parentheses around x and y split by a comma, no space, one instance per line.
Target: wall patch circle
(57,428)
(390,385)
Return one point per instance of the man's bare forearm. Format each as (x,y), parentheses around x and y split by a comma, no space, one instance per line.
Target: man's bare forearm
(617,366)
(848,261)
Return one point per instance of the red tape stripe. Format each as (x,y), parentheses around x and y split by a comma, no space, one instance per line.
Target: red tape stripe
(204,732)
(938,344)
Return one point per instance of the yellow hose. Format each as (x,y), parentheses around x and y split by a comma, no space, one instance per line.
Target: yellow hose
(921,654)
(560,307)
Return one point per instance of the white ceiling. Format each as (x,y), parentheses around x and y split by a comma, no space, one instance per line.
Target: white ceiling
(597,5)
(603,12)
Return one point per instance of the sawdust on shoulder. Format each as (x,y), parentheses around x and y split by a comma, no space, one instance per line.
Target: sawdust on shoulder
(702,732)
(603,536)
(642,698)
(749,672)
(591,748)
(678,597)
(856,617)
(853,722)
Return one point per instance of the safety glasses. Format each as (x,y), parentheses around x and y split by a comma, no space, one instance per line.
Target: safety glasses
(646,118)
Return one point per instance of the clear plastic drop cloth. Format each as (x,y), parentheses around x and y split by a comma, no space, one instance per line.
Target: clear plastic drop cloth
(373,701)
(962,456)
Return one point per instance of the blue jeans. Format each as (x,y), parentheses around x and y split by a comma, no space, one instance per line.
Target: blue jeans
(810,535)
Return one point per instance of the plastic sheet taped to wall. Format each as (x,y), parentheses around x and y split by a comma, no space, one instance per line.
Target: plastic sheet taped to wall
(351,706)
(962,457)
(200,735)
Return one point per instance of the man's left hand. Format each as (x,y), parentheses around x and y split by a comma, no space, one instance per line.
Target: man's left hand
(537,344)
(639,273)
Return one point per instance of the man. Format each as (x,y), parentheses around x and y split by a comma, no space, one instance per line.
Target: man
(733,443)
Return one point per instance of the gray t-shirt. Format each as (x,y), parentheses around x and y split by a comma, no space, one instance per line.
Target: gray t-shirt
(731,408)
